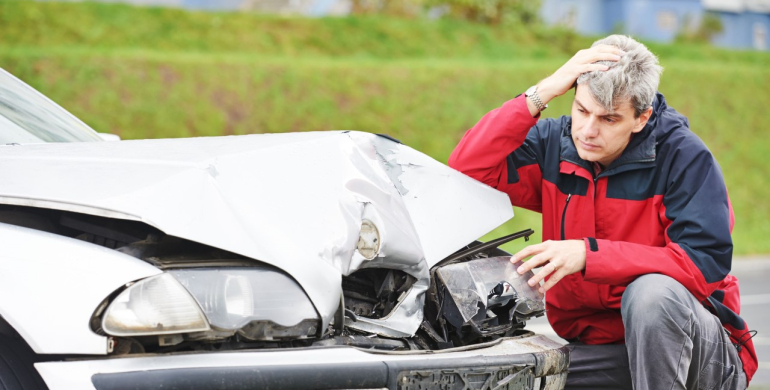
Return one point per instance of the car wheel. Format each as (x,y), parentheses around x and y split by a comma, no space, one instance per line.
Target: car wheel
(16,370)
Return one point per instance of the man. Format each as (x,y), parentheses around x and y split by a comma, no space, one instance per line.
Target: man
(636,224)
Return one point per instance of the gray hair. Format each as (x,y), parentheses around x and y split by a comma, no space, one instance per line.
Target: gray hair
(635,77)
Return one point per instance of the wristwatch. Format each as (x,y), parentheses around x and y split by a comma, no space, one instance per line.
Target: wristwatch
(532,94)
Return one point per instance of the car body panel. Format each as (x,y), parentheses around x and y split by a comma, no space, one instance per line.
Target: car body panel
(295,201)
(50,286)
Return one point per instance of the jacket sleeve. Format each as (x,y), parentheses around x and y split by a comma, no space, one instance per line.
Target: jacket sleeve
(498,151)
(697,217)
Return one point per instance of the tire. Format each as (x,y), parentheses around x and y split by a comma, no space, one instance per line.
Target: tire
(16,366)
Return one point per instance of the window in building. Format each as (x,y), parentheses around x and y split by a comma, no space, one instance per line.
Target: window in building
(760,36)
(568,16)
(667,20)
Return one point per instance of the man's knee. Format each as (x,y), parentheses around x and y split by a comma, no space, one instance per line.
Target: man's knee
(653,295)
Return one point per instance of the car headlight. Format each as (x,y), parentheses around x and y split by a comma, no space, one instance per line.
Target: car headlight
(154,306)
(258,303)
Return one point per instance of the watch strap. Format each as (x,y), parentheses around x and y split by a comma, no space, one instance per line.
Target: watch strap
(532,94)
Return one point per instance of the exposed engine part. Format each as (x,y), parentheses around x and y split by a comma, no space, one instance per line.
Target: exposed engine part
(374,292)
(268,330)
(501,312)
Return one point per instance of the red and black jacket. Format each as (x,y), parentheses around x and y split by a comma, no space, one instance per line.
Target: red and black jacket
(661,207)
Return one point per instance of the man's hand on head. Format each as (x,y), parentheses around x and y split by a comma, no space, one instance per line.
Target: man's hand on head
(563,79)
(557,258)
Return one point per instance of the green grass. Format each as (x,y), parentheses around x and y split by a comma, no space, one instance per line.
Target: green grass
(152,73)
(104,27)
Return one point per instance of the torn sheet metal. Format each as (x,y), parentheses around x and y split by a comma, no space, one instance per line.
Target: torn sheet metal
(295,201)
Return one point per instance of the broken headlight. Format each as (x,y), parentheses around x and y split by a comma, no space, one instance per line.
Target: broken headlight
(488,295)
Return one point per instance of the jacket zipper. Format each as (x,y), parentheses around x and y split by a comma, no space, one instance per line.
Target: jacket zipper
(564,216)
(596,179)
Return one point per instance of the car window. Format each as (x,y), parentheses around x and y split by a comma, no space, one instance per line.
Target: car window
(26,116)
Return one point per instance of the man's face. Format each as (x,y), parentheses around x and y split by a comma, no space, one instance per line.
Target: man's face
(599,135)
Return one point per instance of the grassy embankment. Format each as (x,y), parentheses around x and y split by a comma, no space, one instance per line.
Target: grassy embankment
(151,73)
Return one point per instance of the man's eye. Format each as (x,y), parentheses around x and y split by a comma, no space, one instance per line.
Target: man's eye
(609,120)
(582,111)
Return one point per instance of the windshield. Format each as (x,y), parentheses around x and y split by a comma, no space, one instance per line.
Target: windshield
(26,116)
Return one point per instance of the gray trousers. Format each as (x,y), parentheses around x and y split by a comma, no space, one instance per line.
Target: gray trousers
(672,342)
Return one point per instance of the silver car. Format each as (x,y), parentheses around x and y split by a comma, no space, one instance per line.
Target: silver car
(325,260)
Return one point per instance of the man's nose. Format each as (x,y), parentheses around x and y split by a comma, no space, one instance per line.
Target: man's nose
(591,128)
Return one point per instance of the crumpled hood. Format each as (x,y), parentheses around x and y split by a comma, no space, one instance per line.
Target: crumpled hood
(295,201)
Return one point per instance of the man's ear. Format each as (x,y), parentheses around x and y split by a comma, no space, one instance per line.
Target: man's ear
(642,120)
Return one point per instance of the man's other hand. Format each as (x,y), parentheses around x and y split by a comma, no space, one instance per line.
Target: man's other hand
(557,258)
(583,61)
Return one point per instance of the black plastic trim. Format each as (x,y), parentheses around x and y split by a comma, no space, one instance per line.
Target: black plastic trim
(486,246)
(285,377)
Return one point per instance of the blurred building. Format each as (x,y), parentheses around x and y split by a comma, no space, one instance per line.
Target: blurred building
(302,7)
(745,23)
(305,7)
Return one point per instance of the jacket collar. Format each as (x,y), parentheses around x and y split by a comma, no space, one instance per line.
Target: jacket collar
(639,153)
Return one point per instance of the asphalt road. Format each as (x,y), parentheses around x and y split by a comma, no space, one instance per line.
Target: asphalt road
(754,276)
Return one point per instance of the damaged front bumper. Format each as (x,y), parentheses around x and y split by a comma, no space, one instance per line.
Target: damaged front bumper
(524,362)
